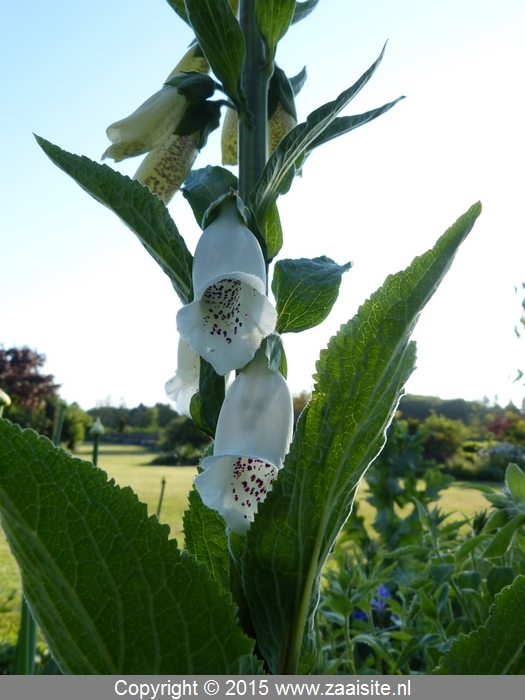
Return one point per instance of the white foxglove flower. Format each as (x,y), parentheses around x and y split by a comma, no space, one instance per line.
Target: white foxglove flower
(166,167)
(230,314)
(253,435)
(185,383)
(148,127)
(156,119)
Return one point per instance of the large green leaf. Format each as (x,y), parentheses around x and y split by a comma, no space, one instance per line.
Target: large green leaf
(288,157)
(109,590)
(273,18)
(359,381)
(143,212)
(220,38)
(305,291)
(205,538)
(495,648)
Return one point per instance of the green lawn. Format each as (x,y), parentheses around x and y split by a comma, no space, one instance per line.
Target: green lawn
(127,464)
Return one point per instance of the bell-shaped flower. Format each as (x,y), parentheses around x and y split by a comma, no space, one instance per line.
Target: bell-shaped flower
(156,119)
(185,383)
(166,167)
(230,314)
(253,435)
(148,127)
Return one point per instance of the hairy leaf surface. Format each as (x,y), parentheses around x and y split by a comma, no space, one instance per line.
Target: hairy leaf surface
(111,593)
(143,212)
(359,381)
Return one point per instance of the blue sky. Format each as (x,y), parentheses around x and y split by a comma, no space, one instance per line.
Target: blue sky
(76,285)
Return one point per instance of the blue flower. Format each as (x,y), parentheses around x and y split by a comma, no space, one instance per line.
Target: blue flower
(379,604)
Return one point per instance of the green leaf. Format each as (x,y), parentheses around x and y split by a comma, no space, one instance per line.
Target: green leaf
(221,40)
(343,125)
(143,212)
(273,18)
(205,538)
(180,9)
(359,381)
(303,9)
(494,647)
(515,479)
(502,539)
(499,577)
(110,592)
(305,291)
(204,186)
(206,404)
(289,155)
(273,234)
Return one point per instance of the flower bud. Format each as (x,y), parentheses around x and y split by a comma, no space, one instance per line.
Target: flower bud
(97,428)
(229,137)
(5,399)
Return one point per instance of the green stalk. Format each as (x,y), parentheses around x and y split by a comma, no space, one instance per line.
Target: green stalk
(255,78)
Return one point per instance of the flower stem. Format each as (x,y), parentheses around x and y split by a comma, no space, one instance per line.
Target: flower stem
(255,78)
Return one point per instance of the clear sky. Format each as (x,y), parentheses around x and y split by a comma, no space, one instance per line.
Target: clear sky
(77,286)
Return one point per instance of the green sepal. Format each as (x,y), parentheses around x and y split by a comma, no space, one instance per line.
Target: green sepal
(204,117)
(359,381)
(273,19)
(205,538)
(143,212)
(302,9)
(206,404)
(194,85)
(212,212)
(274,349)
(280,92)
(220,38)
(110,591)
(204,186)
(495,648)
(305,291)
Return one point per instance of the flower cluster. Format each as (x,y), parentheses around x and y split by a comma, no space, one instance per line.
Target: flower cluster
(226,324)
(151,130)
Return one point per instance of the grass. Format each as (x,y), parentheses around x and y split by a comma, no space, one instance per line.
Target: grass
(128,465)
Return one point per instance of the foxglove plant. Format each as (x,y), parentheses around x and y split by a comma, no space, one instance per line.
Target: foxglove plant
(265,512)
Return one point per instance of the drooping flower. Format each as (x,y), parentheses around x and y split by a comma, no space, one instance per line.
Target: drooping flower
(156,119)
(253,435)
(185,383)
(166,167)
(230,314)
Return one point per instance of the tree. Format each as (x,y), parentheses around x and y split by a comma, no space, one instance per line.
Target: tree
(21,379)
(33,395)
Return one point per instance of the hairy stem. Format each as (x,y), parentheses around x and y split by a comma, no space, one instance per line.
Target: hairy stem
(255,78)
